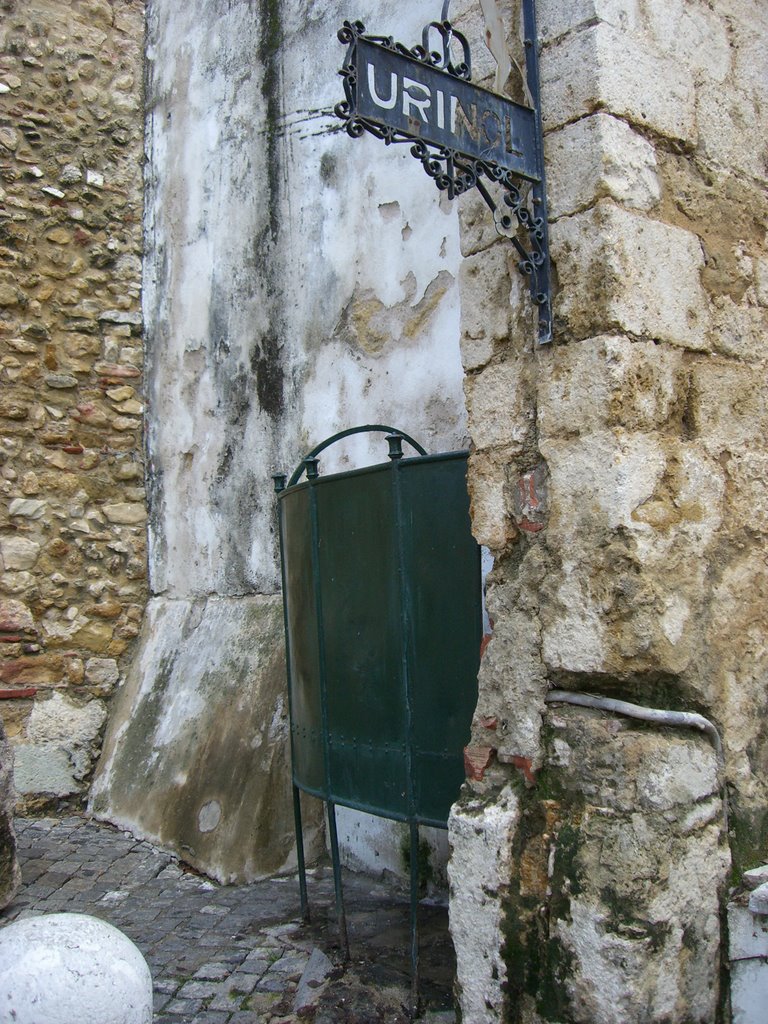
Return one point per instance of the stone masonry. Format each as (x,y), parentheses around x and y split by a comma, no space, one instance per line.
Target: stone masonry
(72,513)
(618,476)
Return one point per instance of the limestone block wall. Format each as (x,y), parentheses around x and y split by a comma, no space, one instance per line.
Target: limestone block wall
(72,511)
(619,479)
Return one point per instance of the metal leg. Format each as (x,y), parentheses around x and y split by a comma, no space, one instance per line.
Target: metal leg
(300,855)
(341,916)
(414,919)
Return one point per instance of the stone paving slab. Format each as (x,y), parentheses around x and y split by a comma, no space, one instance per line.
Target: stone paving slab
(236,954)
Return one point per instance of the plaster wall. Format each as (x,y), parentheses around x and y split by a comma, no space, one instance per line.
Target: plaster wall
(285,304)
(297,282)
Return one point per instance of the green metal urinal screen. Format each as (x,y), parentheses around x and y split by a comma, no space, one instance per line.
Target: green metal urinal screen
(383,624)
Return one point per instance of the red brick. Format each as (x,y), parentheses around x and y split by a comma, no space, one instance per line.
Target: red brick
(476,760)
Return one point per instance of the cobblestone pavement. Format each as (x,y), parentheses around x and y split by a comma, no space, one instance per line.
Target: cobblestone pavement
(237,954)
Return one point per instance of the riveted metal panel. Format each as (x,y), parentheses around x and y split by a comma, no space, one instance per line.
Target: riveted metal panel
(303,656)
(442,567)
(383,616)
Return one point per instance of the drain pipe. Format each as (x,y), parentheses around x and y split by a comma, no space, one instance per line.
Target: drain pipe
(686,719)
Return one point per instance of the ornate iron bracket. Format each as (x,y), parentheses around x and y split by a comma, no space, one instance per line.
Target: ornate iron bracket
(465,136)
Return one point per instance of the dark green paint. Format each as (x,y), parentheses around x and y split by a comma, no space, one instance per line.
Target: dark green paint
(424,861)
(384,620)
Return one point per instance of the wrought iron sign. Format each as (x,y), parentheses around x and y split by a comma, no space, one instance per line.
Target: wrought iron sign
(465,136)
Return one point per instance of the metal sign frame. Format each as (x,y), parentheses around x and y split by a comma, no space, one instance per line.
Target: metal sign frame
(464,135)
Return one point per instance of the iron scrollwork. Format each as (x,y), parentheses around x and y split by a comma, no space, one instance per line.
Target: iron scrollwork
(521,205)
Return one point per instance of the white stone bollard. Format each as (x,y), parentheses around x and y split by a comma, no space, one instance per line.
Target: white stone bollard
(72,969)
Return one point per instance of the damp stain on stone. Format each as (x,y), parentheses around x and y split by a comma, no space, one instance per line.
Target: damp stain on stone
(129,767)
(265,359)
(225,463)
(270,380)
(156,508)
(328,165)
(235,400)
(269,55)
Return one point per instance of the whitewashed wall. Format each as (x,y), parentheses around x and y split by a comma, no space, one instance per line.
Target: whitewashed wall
(297,282)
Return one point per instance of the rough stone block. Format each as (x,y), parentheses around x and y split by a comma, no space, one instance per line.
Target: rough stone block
(728,404)
(486,309)
(680,773)
(726,116)
(44,768)
(15,617)
(500,406)
(102,672)
(749,991)
(697,35)
(692,35)
(554,18)
(748,490)
(491,524)
(616,271)
(761,281)
(598,482)
(512,679)
(738,329)
(18,553)
(574,636)
(755,877)
(602,67)
(673,26)
(33,670)
(595,158)
(60,720)
(609,381)
(630,891)
(739,655)
(633,516)
(478,231)
(481,835)
(126,513)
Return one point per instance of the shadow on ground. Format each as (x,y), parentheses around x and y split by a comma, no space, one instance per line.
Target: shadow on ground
(378,919)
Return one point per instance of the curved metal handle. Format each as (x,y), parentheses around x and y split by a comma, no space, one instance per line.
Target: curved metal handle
(310,459)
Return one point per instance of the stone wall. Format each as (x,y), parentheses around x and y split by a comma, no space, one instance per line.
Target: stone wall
(10,872)
(619,478)
(296,284)
(72,514)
